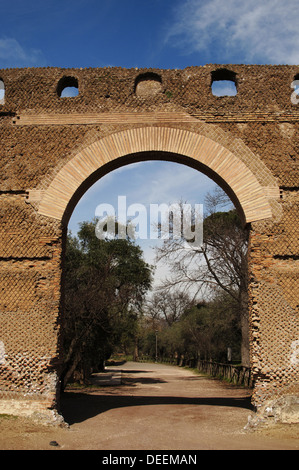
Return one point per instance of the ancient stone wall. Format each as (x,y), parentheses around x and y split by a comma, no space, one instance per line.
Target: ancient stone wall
(53,148)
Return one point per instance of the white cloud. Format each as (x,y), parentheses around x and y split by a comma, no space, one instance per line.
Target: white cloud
(13,54)
(234,31)
(151,182)
(168,182)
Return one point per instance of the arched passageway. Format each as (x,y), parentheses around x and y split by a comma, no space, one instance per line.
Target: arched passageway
(163,183)
(250,186)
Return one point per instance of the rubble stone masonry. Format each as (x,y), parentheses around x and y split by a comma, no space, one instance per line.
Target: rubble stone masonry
(53,148)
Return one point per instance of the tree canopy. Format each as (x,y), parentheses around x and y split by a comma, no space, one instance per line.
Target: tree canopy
(105,284)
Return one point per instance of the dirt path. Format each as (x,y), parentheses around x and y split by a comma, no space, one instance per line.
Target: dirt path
(139,406)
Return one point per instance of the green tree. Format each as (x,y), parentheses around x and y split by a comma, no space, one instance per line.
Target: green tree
(203,331)
(105,284)
(209,329)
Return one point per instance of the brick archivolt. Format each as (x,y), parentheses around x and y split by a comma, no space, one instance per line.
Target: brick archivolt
(235,170)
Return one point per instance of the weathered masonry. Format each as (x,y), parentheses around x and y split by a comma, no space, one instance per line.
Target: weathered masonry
(53,148)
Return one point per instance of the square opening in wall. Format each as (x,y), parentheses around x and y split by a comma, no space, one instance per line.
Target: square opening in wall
(223,83)
(2,92)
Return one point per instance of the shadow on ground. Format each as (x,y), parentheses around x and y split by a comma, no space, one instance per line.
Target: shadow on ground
(77,407)
(142,380)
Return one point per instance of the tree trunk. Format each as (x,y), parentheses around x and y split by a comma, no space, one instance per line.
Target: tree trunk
(136,352)
(70,368)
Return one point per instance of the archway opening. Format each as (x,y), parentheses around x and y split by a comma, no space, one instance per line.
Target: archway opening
(224,83)
(155,178)
(68,87)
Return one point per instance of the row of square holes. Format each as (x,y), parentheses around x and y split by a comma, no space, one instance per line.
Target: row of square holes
(68,87)
(220,87)
(223,84)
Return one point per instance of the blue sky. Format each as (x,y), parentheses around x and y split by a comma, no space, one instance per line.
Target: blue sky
(165,34)
(147,33)
(144,183)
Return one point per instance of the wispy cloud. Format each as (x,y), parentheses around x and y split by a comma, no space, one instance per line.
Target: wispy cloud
(13,54)
(234,31)
(145,183)
(154,182)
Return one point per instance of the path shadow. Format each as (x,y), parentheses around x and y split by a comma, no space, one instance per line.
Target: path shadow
(142,380)
(78,407)
(115,363)
(128,371)
(113,377)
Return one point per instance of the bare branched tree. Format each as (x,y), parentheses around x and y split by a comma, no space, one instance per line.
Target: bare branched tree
(167,306)
(220,263)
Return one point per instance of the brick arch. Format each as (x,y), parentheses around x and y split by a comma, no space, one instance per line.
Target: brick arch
(227,168)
